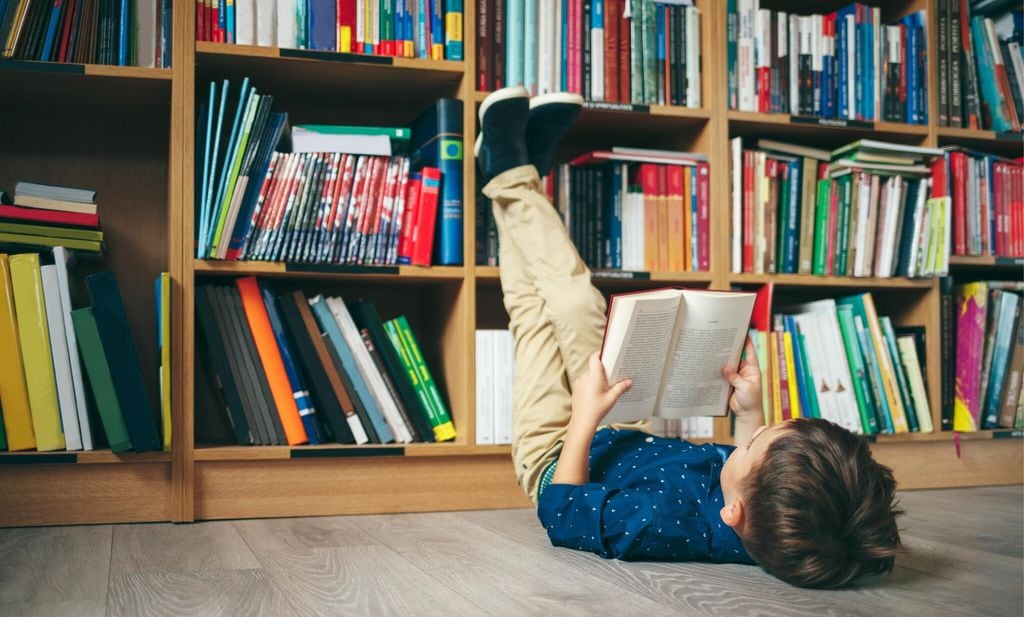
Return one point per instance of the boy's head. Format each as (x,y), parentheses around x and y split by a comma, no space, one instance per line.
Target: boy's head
(810,504)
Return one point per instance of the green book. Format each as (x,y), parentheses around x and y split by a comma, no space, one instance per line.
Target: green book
(98,370)
(51,231)
(650,51)
(821,227)
(70,243)
(636,55)
(782,216)
(252,102)
(813,410)
(842,224)
(859,371)
(410,368)
(444,430)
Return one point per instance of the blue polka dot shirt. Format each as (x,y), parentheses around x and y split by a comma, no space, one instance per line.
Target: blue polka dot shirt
(648,499)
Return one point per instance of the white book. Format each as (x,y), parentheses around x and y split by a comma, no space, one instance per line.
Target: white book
(546,47)
(485,370)
(266,23)
(862,234)
(851,73)
(61,363)
(745,55)
(145,33)
(673,344)
(884,265)
(596,76)
(824,336)
(693,60)
(1018,64)
(736,150)
(912,365)
(62,258)
(245,22)
(369,371)
(823,390)
(794,64)
(287,28)
(504,377)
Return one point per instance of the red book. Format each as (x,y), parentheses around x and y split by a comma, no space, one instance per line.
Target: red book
(958,172)
(703,217)
(484,26)
(649,188)
(426,218)
(346,25)
(200,21)
(65,30)
(624,49)
(940,178)
(612,16)
(412,203)
(833,215)
(780,359)
(1017,210)
(57,217)
(498,60)
(748,211)
(761,316)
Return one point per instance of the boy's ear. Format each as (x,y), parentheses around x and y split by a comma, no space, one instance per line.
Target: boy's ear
(733,515)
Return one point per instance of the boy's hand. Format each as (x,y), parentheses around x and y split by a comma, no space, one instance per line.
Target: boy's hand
(592,397)
(746,383)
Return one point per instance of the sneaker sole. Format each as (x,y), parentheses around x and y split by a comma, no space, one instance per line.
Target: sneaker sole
(476,146)
(564,98)
(512,92)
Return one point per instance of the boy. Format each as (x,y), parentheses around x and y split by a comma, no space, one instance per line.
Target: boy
(804,499)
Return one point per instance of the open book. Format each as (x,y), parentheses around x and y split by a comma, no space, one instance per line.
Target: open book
(673,344)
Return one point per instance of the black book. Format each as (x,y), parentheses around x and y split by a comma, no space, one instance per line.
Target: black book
(319,387)
(600,233)
(7,21)
(948,343)
(775,105)
(119,347)
(365,315)
(805,102)
(1011,76)
(678,50)
(267,409)
(906,236)
(956,76)
(30,38)
(971,110)
(238,356)
(389,384)
(212,342)
(943,54)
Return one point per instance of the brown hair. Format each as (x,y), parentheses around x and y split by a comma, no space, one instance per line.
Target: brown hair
(820,511)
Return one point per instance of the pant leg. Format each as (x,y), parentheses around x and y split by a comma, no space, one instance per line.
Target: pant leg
(526,220)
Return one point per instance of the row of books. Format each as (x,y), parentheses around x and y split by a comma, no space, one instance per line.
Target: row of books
(845,64)
(840,360)
(48,216)
(294,370)
(338,197)
(116,32)
(619,51)
(988,203)
(55,356)
(700,427)
(495,374)
(866,209)
(989,360)
(980,67)
(402,28)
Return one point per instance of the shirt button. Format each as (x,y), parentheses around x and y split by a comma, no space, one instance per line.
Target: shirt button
(649,440)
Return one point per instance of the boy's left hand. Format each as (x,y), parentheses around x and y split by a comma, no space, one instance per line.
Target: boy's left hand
(593,397)
(746,383)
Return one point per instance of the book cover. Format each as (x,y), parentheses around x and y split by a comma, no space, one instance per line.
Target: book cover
(62,260)
(61,359)
(214,344)
(101,381)
(971,309)
(14,396)
(437,142)
(444,430)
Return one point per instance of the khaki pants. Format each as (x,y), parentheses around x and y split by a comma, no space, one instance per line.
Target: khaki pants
(556,317)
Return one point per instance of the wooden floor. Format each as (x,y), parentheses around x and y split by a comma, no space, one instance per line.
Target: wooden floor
(965,557)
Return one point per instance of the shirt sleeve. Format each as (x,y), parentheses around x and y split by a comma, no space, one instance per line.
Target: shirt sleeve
(612,522)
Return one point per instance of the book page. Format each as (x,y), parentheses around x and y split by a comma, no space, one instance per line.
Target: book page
(710,334)
(637,340)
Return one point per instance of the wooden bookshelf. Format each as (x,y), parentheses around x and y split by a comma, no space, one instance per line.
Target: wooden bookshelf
(129,133)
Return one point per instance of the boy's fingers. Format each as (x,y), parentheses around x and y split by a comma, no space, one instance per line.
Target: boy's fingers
(749,353)
(734,378)
(620,388)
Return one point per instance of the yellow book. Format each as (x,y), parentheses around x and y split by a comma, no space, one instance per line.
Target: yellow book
(34,334)
(164,290)
(13,389)
(345,39)
(885,365)
(773,376)
(794,387)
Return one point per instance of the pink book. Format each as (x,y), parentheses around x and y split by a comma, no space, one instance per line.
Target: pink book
(971,310)
(703,217)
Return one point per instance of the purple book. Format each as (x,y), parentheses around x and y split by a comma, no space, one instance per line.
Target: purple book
(971,300)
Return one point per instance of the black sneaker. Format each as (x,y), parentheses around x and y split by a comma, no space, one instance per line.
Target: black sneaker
(551,115)
(501,144)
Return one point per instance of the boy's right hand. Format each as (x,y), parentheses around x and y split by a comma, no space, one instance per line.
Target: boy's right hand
(746,382)
(593,397)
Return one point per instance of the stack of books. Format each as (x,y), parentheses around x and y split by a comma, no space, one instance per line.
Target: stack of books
(47,216)
(617,51)
(294,370)
(840,360)
(845,64)
(127,33)
(495,374)
(988,203)
(401,28)
(989,347)
(343,195)
(980,66)
(869,208)
(53,351)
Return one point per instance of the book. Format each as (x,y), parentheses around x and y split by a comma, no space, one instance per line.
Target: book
(101,382)
(122,358)
(62,259)
(14,395)
(48,217)
(971,309)
(61,359)
(485,386)
(437,142)
(370,140)
(653,339)
(228,378)
(163,304)
(441,421)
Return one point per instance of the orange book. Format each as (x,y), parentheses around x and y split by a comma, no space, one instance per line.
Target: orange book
(688,179)
(270,357)
(649,187)
(663,225)
(674,198)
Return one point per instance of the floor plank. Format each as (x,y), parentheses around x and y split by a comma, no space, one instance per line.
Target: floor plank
(74,608)
(54,564)
(206,546)
(302,533)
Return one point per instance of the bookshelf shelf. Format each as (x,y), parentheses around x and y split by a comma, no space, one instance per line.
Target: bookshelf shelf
(986,261)
(329,272)
(836,131)
(1010,145)
(82,457)
(849,282)
(945,436)
(612,277)
(36,84)
(337,451)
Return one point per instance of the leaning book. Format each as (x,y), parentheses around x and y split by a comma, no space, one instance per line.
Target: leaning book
(673,344)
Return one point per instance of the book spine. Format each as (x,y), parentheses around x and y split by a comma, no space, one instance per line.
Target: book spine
(444,430)
(948,350)
(703,217)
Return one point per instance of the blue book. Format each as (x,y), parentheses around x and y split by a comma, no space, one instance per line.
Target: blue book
(51,31)
(694,258)
(228,161)
(166,32)
(530,45)
(453,21)
(123,19)
(243,226)
(436,25)
(791,235)
(398,18)
(348,365)
(515,34)
(422,17)
(563,45)
(803,388)
(614,201)
(659,55)
(437,142)
(323,25)
(912,60)
(302,398)
(210,168)
(1009,312)
(842,61)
